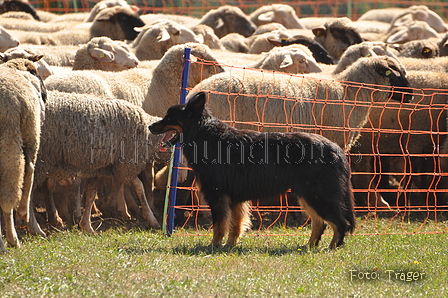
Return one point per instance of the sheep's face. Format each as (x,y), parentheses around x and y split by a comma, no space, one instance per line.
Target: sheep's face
(401,88)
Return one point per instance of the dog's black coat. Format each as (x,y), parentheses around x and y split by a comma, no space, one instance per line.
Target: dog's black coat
(234,166)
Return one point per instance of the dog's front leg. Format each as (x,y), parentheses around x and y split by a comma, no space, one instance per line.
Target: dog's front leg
(239,221)
(220,209)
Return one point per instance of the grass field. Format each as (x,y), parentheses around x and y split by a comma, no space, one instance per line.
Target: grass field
(137,263)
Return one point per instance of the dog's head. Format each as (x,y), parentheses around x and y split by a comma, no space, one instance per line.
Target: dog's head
(179,119)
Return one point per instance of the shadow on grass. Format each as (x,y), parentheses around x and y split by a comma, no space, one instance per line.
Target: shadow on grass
(200,249)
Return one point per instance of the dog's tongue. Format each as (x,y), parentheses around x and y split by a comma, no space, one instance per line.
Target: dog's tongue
(165,139)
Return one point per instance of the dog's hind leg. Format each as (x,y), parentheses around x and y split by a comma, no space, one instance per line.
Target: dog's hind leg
(220,209)
(239,221)
(318,225)
(338,236)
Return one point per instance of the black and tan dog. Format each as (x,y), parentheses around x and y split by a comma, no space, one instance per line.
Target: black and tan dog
(235,166)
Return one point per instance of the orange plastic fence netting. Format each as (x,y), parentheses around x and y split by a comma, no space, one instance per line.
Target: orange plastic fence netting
(399,163)
(307,8)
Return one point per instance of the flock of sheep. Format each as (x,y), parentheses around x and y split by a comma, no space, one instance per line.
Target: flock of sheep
(78,92)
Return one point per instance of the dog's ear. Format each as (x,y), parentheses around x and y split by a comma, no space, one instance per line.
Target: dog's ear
(196,104)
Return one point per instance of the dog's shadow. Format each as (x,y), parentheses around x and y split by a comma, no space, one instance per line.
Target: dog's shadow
(200,249)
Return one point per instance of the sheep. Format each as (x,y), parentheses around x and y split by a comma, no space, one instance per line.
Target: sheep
(18,5)
(411,31)
(365,49)
(423,49)
(290,59)
(420,13)
(318,52)
(235,42)
(22,96)
(437,64)
(33,25)
(42,66)
(105,54)
(228,19)
(60,55)
(397,16)
(7,40)
(105,4)
(166,77)
(35,38)
(133,85)
(392,135)
(262,44)
(87,137)
(156,38)
(187,21)
(279,13)
(443,45)
(207,36)
(268,28)
(257,98)
(117,23)
(336,35)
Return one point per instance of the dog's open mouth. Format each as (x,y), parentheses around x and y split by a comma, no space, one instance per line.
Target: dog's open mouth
(170,138)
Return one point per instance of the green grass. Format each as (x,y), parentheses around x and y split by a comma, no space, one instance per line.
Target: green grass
(138,263)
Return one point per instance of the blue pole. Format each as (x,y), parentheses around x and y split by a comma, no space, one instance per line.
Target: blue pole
(177,151)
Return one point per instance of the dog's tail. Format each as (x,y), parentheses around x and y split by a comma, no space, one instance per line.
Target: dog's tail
(349,212)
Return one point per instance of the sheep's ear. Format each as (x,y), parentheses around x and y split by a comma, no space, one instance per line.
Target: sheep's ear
(36,58)
(102,55)
(141,29)
(196,104)
(200,38)
(102,5)
(275,42)
(163,36)
(320,31)
(266,17)
(287,61)
(399,37)
(134,8)
(218,23)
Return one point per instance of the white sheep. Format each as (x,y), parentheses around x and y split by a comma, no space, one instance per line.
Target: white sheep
(336,35)
(423,49)
(262,44)
(413,30)
(133,85)
(7,40)
(103,53)
(156,38)
(228,19)
(164,87)
(22,95)
(437,64)
(290,59)
(278,13)
(87,137)
(235,42)
(43,68)
(207,36)
(334,106)
(57,55)
(105,4)
(117,23)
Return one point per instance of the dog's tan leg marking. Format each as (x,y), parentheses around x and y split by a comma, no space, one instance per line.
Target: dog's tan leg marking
(239,221)
(221,219)
(317,224)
